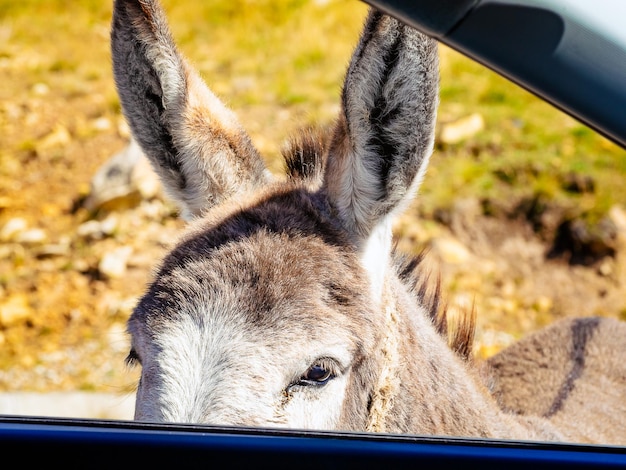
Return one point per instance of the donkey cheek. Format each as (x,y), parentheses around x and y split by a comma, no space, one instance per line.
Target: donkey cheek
(315,409)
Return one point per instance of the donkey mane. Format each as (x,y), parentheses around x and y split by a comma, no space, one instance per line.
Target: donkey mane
(457,330)
(305,155)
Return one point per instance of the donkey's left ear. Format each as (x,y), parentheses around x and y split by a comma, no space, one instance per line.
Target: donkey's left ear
(196,144)
(385,132)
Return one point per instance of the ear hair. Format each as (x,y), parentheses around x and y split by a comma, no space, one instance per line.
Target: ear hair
(306,154)
(385,132)
(194,142)
(384,135)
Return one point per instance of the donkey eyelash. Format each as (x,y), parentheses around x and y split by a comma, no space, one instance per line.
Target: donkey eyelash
(132,360)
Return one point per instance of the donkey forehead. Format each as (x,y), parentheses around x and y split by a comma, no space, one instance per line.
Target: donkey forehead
(265,267)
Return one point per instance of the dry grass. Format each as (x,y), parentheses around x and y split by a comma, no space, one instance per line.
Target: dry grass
(280,66)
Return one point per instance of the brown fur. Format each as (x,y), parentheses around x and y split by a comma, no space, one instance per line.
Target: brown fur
(572,373)
(305,155)
(284,303)
(305,160)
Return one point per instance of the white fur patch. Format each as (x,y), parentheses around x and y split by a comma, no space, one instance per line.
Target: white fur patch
(375,257)
(316,408)
(220,372)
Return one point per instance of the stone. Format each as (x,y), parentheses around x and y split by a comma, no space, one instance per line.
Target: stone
(11,230)
(123,180)
(461,129)
(90,229)
(102,124)
(110,224)
(59,137)
(53,250)
(113,264)
(33,236)
(606,267)
(617,215)
(14,309)
(40,89)
(97,229)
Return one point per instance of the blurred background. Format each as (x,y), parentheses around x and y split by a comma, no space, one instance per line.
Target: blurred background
(522,210)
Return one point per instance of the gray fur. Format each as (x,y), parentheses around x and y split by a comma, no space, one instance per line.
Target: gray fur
(385,132)
(572,372)
(283,303)
(194,142)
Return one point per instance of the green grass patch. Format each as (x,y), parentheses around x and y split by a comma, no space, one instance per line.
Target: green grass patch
(291,56)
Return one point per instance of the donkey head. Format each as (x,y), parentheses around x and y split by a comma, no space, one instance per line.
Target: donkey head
(268,310)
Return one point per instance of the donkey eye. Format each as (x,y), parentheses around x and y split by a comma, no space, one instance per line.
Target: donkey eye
(318,374)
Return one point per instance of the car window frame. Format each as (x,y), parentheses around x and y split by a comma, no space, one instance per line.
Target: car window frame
(74,442)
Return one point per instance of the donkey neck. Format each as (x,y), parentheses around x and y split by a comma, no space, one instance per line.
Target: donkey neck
(433,391)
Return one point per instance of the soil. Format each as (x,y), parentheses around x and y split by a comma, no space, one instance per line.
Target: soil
(63,313)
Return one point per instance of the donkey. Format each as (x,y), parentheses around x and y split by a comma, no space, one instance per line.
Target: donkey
(284,303)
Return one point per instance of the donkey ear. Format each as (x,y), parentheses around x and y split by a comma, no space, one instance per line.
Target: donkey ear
(385,132)
(195,143)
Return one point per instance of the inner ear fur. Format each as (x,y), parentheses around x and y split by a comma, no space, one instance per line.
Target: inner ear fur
(195,143)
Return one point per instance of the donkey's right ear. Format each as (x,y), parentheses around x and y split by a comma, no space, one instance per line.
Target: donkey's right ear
(194,142)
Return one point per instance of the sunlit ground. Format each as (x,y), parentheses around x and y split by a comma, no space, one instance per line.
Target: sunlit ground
(514,160)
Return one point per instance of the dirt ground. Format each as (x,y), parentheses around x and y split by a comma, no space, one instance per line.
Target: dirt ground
(63,311)
(69,276)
